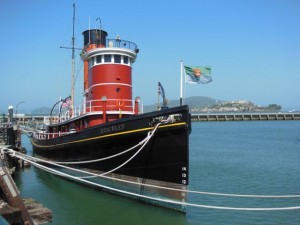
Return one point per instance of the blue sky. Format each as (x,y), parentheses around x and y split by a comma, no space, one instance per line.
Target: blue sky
(252,46)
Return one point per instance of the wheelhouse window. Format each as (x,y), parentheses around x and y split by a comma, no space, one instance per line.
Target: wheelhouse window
(117,58)
(125,59)
(99,59)
(91,62)
(107,58)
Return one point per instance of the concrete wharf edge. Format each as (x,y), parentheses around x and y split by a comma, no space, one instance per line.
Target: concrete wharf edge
(264,116)
(202,117)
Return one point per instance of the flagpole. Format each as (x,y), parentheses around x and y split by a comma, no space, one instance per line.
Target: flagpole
(181,80)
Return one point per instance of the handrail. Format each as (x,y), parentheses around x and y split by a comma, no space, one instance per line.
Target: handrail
(45,136)
(127,105)
(118,43)
(113,43)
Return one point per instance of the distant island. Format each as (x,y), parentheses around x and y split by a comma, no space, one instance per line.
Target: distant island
(237,106)
(198,104)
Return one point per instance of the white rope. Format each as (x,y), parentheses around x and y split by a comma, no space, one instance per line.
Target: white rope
(244,196)
(24,157)
(159,199)
(33,160)
(150,134)
(146,139)
(105,158)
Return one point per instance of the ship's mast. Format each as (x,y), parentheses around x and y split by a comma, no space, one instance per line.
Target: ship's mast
(73,61)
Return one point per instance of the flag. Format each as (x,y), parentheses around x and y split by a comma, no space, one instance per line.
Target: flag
(67,102)
(161,90)
(197,74)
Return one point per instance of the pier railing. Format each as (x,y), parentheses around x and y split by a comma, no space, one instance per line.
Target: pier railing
(202,117)
(34,120)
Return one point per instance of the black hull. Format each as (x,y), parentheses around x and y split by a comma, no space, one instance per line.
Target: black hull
(163,161)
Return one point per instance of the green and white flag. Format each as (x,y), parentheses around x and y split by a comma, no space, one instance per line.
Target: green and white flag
(197,74)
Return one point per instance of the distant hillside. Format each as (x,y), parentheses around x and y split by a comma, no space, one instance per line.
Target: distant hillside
(194,102)
(41,111)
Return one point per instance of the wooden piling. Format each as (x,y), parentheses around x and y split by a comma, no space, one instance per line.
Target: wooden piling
(11,193)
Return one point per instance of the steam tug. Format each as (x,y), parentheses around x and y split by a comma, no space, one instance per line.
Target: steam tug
(110,137)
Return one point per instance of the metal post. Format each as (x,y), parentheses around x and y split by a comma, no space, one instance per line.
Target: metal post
(181,81)
(104,98)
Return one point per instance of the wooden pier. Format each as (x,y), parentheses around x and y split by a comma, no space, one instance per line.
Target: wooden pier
(255,116)
(13,208)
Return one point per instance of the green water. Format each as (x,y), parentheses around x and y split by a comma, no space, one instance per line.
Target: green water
(257,157)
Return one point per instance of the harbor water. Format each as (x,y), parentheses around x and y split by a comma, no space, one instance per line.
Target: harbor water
(255,158)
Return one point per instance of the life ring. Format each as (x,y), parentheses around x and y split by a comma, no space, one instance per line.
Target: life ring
(120,103)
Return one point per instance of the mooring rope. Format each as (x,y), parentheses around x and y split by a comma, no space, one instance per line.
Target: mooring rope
(105,158)
(34,161)
(27,157)
(155,198)
(145,141)
(149,136)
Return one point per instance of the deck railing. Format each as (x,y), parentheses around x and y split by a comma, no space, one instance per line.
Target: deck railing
(118,43)
(97,106)
(44,136)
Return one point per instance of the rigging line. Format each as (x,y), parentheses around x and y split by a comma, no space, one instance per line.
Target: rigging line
(156,186)
(79,67)
(160,199)
(78,20)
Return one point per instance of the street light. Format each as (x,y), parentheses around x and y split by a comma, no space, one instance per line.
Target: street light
(17,108)
(63,101)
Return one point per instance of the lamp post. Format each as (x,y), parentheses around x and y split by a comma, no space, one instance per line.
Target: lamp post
(62,100)
(52,111)
(17,108)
